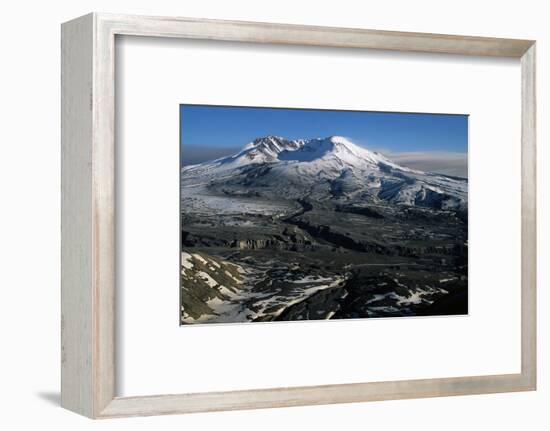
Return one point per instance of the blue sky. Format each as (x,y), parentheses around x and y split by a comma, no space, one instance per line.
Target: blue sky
(209,132)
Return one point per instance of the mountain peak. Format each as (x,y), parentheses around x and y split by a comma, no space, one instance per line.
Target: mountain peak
(337,148)
(340,142)
(336,139)
(281,143)
(330,153)
(267,138)
(267,148)
(347,169)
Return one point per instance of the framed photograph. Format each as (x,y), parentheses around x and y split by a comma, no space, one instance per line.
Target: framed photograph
(287,229)
(265,215)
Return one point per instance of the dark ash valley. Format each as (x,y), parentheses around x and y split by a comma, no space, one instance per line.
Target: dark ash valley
(319,229)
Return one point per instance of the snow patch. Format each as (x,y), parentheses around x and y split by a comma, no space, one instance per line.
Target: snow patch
(199,258)
(206,277)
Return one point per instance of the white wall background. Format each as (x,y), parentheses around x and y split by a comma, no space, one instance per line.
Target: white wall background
(29,216)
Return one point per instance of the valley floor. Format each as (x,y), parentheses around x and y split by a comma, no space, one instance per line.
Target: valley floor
(315,263)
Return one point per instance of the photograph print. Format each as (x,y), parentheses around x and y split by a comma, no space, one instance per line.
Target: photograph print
(309,214)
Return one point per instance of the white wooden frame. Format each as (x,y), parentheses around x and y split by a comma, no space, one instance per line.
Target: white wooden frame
(88,215)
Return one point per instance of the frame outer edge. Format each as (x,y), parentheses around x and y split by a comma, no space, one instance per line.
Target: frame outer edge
(76,215)
(529,219)
(312,395)
(88,215)
(292,34)
(103,216)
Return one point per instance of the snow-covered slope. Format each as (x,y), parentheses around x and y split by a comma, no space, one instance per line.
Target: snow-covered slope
(273,149)
(325,169)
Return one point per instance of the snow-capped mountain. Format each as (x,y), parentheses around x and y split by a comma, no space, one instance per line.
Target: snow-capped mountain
(331,169)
